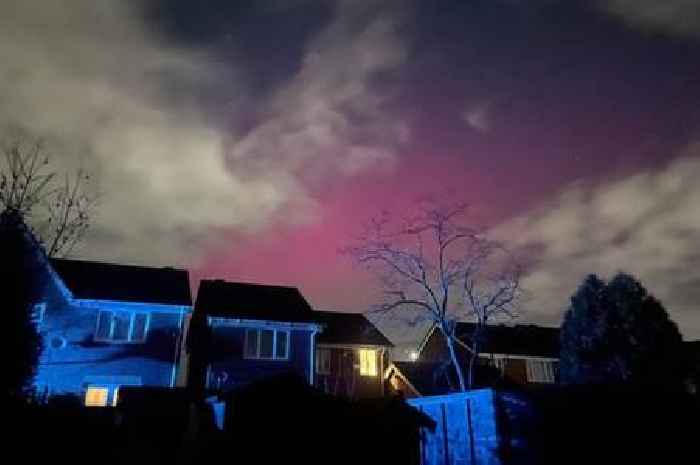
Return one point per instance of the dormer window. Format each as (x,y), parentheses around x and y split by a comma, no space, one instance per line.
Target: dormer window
(121,326)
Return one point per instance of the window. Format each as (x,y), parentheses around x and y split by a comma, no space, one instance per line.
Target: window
(323,361)
(38,312)
(266,344)
(103,391)
(368,362)
(540,371)
(121,326)
(96,396)
(499,363)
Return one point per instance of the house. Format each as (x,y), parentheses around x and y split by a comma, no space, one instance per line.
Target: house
(106,325)
(351,356)
(519,354)
(243,332)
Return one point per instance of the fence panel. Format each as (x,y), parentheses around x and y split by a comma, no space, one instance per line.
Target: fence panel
(465,433)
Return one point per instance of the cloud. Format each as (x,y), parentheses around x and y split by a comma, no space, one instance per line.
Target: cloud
(647,224)
(478,117)
(112,95)
(677,17)
(330,116)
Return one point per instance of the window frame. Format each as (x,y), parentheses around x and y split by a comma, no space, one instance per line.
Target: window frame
(130,333)
(273,357)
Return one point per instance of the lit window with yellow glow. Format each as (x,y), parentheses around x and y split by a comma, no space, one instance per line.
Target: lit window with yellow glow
(96,396)
(368,362)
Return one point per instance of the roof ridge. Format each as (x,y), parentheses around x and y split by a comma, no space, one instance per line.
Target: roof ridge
(126,265)
(247,283)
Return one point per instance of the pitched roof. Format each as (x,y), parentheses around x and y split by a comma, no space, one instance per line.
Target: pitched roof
(503,339)
(252,302)
(126,283)
(516,340)
(349,328)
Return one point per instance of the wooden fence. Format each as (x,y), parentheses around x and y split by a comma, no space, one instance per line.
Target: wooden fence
(466,432)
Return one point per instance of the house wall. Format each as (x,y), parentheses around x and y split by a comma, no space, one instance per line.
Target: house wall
(71,358)
(515,368)
(227,368)
(345,379)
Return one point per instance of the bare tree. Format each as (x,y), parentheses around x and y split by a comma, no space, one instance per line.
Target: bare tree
(435,268)
(57,210)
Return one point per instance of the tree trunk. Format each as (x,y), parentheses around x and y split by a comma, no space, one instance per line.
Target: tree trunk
(473,356)
(470,374)
(455,362)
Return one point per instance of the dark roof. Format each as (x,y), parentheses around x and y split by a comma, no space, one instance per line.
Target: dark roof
(127,283)
(253,302)
(516,340)
(349,328)
(693,347)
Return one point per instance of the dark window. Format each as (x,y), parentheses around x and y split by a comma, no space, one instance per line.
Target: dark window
(251,343)
(120,326)
(323,361)
(104,326)
(281,345)
(138,332)
(266,344)
(267,341)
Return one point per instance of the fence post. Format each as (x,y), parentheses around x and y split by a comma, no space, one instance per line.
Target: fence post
(446,440)
(470,429)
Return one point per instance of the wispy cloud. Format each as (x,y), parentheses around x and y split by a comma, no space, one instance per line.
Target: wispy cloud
(647,224)
(478,117)
(677,17)
(330,116)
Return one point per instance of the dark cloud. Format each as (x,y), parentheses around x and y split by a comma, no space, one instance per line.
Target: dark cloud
(674,17)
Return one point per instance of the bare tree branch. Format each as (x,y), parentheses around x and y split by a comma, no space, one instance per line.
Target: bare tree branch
(58,213)
(444,270)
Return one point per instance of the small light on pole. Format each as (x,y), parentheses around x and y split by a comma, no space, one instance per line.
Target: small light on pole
(413,355)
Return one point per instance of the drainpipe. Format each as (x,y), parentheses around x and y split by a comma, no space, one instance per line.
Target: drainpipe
(312,356)
(178,348)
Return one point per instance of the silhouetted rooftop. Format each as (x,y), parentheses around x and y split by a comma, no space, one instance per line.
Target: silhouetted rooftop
(516,340)
(127,283)
(349,328)
(253,302)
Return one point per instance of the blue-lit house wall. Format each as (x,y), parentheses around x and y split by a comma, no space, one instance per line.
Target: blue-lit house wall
(227,366)
(73,358)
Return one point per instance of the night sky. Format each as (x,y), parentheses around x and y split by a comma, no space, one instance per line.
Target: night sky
(250,140)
